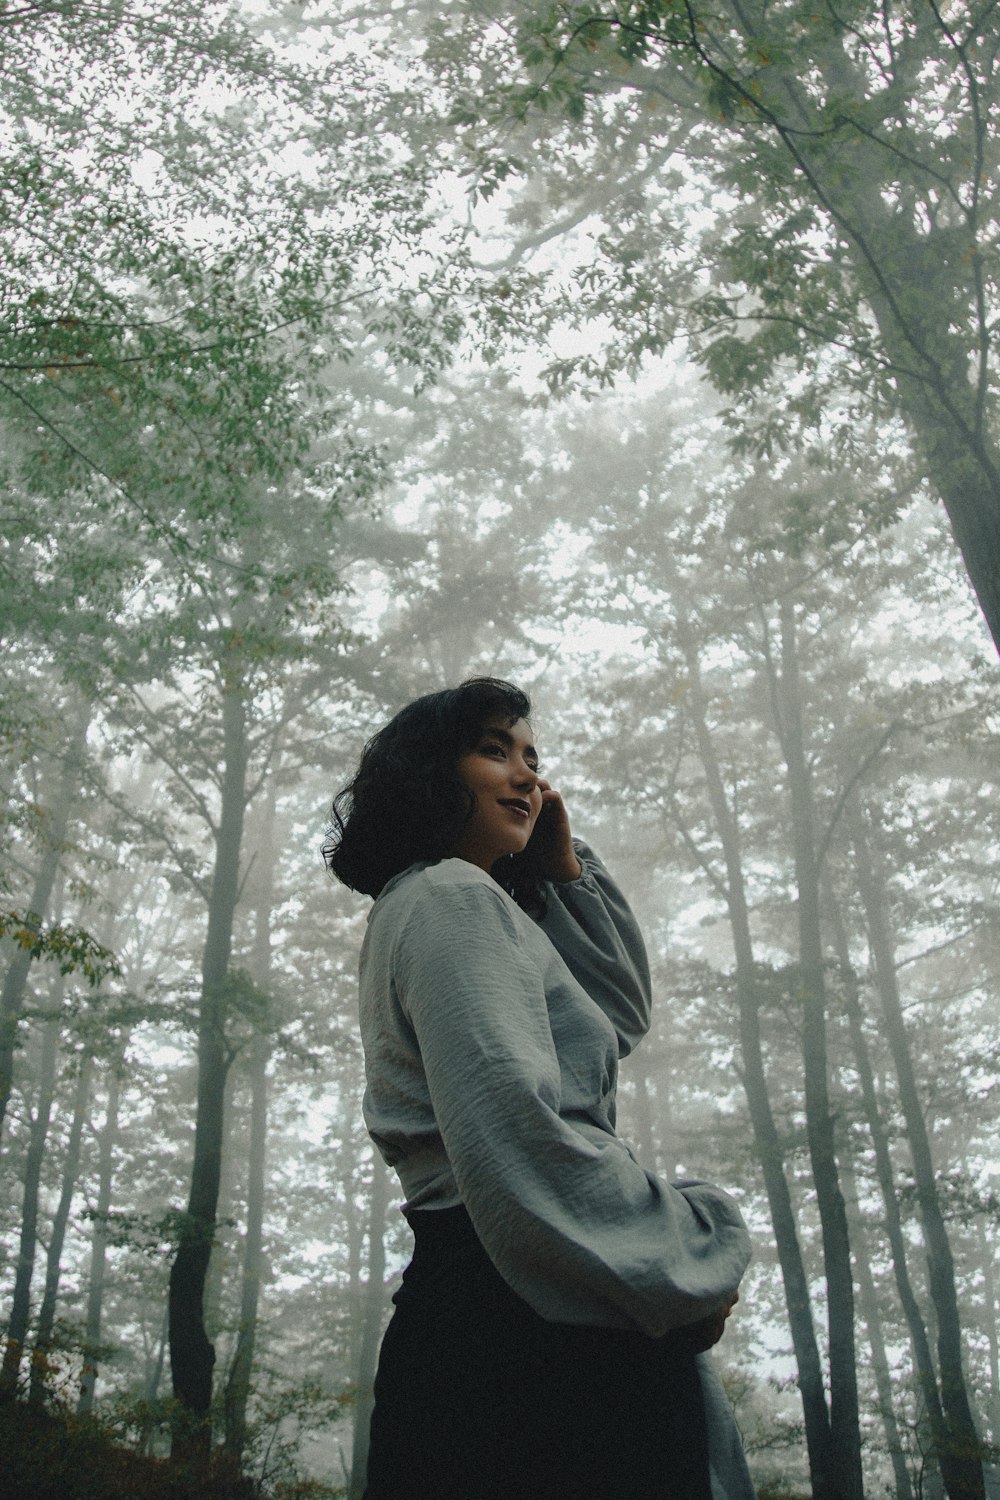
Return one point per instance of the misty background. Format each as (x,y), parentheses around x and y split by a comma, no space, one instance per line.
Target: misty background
(644,356)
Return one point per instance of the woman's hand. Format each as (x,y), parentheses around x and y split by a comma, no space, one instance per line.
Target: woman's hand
(550,848)
(706,1333)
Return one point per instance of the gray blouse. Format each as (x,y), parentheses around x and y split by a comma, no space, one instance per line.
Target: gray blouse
(491,1047)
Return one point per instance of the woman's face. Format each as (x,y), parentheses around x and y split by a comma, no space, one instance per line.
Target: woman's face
(501,771)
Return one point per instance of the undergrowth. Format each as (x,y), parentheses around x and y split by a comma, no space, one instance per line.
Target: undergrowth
(52,1455)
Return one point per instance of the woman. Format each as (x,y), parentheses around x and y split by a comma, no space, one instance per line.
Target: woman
(546,1335)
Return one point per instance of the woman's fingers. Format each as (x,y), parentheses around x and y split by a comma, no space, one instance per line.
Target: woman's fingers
(552,839)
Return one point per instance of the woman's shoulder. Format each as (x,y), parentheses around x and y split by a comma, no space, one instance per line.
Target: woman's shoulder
(434,885)
(449,873)
(427,901)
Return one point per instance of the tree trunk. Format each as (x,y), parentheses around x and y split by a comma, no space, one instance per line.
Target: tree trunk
(876,1342)
(99,1242)
(646,1138)
(152,1390)
(919,1342)
(845,1426)
(192,1356)
(17,1327)
(933,377)
(16,977)
(961,1458)
(354,1231)
(241,1370)
(823,1472)
(971,497)
(223,1240)
(364,1379)
(992,1318)
(57,1239)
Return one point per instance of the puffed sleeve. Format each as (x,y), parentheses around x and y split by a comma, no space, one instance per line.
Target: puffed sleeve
(572,1223)
(591,926)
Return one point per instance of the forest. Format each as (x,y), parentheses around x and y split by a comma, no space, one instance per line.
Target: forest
(641,353)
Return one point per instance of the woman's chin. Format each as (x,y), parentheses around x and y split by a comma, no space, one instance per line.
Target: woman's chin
(510,854)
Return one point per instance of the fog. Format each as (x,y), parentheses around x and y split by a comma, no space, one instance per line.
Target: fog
(651,369)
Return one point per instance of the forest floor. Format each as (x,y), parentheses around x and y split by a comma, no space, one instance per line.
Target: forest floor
(50,1455)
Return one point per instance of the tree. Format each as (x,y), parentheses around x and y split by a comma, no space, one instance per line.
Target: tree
(885,1171)
(45,1331)
(32,941)
(240,1372)
(853,209)
(17,1328)
(108,1140)
(371,1329)
(962,1449)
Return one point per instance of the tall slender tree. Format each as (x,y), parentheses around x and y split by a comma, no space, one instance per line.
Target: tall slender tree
(20,1312)
(962,1452)
(66,775)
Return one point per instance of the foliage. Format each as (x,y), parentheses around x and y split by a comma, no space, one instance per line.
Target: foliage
(111,306)
(69,947)
(52,1455)
(831,253)
(282,1419)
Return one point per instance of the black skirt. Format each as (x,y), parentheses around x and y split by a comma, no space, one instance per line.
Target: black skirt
(477,1397)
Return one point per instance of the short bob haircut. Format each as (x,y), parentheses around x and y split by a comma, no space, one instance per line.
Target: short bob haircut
(406,804)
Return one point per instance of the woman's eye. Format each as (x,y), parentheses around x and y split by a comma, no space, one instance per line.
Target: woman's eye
(491,749)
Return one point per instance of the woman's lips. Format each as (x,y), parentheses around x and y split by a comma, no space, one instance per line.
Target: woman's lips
(521,808)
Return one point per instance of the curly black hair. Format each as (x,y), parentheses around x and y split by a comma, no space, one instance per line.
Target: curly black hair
(407,804)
